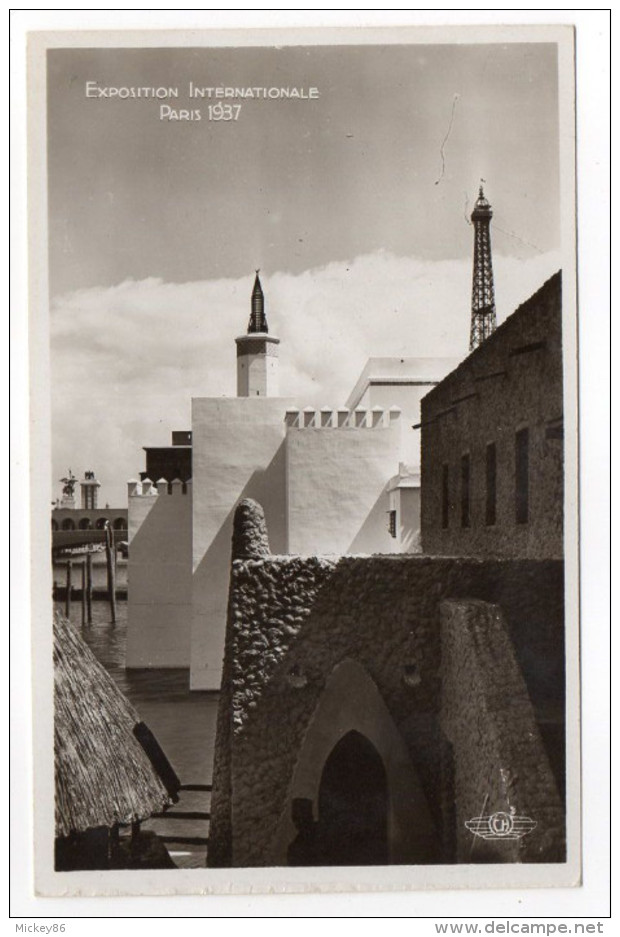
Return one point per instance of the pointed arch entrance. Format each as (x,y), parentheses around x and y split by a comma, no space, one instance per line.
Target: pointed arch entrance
(353,804)
(353,768)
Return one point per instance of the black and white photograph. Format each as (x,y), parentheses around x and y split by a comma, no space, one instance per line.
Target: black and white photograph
(309,607)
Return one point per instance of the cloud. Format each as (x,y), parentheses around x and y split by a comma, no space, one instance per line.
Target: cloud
(127,359)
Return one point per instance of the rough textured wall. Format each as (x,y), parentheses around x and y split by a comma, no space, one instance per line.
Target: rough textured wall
(250,538)
(499,760)
(307,614)
(513,380)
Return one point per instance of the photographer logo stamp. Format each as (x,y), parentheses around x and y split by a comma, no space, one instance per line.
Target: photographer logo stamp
(501,825)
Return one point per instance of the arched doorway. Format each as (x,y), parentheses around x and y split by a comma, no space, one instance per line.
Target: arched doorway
(353,805)
(350,698)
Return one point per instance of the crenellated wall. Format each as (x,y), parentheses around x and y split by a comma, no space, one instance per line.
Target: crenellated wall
(159,573)
(338,464)
(325,479)
(366,632)
(322,476)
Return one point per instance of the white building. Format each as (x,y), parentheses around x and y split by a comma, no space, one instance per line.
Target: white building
(330,481)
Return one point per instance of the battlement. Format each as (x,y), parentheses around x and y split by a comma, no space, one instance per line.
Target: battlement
(342,418)
(148,489)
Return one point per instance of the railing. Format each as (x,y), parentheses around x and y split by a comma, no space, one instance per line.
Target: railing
(61,539)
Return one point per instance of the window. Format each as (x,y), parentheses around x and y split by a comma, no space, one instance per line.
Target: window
(392,523)
(84,523)
(445,496)
(465,484)
(522,490)
(491,467)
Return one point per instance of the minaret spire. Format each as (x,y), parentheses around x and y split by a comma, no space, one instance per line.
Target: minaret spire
(257,352)
(258,319)
(483,319)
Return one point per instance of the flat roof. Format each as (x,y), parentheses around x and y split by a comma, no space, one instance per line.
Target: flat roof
(403,371)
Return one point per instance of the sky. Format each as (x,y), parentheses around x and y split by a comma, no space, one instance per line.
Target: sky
(354,205)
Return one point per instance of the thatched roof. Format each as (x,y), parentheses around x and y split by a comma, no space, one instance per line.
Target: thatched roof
(103,773)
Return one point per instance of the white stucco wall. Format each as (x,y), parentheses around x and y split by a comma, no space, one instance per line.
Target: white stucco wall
(159,577)
(257,365)
(404,498)
(257,376)
(337,482)
(238,452)
(400,382)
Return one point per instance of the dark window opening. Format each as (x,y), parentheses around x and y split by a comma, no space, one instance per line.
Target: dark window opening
(522,491)
(465,486)
(445,496)
(392,523)
(491,484)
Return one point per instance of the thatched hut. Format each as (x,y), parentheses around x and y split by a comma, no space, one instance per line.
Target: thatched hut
(109,768)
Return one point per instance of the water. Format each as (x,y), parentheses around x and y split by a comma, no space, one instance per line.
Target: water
(183,723)
(100,571)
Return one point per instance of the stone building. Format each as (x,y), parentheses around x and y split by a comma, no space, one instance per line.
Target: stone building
(492,441)
(336,480)
(419,699)
(372,707)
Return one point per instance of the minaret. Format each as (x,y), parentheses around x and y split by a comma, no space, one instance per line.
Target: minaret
(257,352)
(483,320)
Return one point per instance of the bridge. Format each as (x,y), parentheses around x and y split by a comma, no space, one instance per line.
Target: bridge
(84,540)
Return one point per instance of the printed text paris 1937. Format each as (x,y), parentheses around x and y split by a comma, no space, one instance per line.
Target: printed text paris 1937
(217,111)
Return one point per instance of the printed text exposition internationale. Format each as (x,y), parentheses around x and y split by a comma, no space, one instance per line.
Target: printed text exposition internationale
(94,90)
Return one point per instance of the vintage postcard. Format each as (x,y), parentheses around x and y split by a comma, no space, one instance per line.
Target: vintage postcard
(303,320)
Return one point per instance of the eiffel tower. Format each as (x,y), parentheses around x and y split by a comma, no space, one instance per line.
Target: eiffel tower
(483,320)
